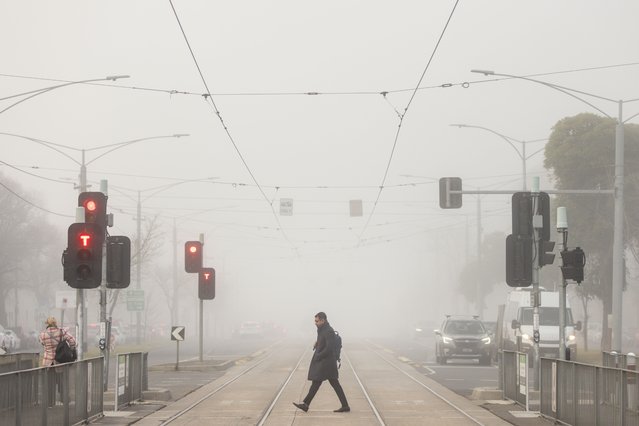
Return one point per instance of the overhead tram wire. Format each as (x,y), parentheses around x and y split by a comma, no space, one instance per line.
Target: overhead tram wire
(208,97)
(401,121)
(31,203)
(313,93)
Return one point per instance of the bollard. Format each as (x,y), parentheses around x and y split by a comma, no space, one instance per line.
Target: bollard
(631,364)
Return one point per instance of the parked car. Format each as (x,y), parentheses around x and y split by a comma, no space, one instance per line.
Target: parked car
(463,337)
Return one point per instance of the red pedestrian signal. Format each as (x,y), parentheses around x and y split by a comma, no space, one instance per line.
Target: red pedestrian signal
(94,204)
(193,256)
(206,284)
(82,261)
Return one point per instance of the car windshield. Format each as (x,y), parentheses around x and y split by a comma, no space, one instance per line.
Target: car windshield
(464,327)
(547,316)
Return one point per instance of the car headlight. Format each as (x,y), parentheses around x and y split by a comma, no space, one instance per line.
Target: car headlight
(419,330)
(572,338)
(486,340)
(447,340)
(526,338)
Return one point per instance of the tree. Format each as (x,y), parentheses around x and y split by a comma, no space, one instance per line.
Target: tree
(490,272)
(581,155)
(28,248)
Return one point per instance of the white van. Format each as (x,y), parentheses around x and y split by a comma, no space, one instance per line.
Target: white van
(517,327)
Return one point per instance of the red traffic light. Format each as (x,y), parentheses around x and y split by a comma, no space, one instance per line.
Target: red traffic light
(193,256)
(82,260)
(206,284)
(94,204)
(85,240)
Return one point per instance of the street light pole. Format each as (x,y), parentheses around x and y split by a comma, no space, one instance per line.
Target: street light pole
(618,237)
(509,141)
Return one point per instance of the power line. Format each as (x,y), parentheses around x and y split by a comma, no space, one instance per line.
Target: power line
(208,97)
(30,203)
(382,92)
(401,120)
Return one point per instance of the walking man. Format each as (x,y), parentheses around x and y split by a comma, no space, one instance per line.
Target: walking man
(324,365)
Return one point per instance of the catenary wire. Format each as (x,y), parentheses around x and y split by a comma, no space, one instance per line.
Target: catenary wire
(401,121)
(208,97)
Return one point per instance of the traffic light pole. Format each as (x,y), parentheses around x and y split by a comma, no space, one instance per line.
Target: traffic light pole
(537,224)
(562,294)
(202,317)
(103,300)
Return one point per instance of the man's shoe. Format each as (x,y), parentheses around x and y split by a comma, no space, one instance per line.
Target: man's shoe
(303,406)
(342,410)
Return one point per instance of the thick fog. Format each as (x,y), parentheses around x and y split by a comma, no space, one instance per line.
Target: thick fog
(314,102)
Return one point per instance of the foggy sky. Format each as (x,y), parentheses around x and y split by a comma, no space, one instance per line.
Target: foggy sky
(260,60)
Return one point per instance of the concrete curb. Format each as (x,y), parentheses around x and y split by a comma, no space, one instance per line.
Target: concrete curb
(487,394)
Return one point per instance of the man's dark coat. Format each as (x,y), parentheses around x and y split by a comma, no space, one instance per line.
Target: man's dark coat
(324,364)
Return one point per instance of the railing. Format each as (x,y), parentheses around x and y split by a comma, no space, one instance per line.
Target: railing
(584,394)
(515,378)
(131,378)
(62,395)
(19,361)
(619,360)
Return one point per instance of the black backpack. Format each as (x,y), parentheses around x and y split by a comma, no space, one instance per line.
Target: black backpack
(63,352)
(338,349)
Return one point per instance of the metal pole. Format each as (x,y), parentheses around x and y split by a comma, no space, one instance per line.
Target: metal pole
(562,301)
(103,299)
(175,275)
(618,242)
(478,278)
(202,314)
(81,313)
(537,223)
(138,269)
(523,162)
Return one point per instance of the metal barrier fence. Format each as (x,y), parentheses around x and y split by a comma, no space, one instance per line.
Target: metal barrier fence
(20,361)
(62,395)
(131,378)
(515,378)
(619,360)
(584,394)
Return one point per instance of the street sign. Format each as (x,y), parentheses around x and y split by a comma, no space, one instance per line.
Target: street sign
(177,333)
(135,300)
(286,207)
(446,199)
(356,209)
(65,299)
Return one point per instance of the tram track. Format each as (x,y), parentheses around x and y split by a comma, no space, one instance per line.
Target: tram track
(258,393)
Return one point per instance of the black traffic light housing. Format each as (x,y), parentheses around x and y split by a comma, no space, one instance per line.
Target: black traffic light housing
(545,255)
(118,273)
(206,284)
(82,260)
(573,264)
(94,204)
(519,264)
(193,256)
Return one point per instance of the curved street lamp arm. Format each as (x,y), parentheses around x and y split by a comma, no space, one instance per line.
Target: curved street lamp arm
(163,188)
(536,152)
(561,89)
(38,92)
(504,137)
(631,117)
(119,145)
(47,144)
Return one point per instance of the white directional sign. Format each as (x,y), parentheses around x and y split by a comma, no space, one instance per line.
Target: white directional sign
(177,333)
(286,207)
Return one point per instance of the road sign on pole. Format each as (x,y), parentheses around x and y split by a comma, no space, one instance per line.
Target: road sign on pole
(135,300)
(177,332)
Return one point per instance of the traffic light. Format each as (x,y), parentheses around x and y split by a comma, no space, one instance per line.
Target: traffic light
(545,255)
(519,260)
(446,199)
(522,206)
(82,260)
(573,264)
(193,256)
(118,273)
(206,284)
(94,204)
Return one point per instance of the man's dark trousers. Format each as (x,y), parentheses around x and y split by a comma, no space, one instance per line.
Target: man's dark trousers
(315,385)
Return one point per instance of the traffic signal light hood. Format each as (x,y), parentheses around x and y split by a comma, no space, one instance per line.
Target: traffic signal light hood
(193,256)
